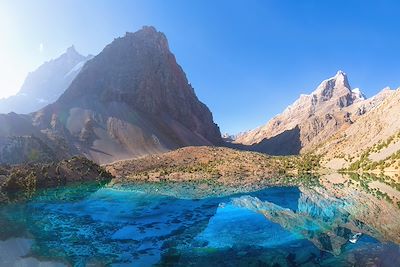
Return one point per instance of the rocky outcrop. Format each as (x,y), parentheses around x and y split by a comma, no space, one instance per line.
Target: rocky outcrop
(46,84)
(132,99)
(21,142)
(25,149)
(28,178)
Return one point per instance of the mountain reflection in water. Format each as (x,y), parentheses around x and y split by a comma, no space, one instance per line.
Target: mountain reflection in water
(176,225)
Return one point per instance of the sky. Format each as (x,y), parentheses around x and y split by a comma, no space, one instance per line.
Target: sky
(247,60)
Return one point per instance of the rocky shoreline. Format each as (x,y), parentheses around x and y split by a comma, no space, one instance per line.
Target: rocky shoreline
(19,181)
(219,165)
(230,170)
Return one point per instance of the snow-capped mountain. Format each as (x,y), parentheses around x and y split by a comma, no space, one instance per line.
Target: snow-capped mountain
(44,85)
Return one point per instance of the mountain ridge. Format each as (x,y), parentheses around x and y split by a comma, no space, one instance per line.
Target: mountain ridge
(46,83)
(316,116)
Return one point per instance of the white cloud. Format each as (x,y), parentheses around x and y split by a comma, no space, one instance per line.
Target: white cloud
(41,48)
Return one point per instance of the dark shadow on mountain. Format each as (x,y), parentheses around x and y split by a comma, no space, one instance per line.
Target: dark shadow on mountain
(284,144)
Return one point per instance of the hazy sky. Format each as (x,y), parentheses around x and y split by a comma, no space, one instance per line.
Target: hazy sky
(247,60)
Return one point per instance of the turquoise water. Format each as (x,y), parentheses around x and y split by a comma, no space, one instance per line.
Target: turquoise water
(146,225)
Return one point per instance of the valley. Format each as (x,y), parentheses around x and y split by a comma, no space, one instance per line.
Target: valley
(123,164)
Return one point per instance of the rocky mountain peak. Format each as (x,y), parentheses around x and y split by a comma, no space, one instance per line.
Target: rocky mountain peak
(140,71)
(147,36)
(71,50)
(336,86)
(310,118)
(149,30)
(46,83)
(136,94)
(341,78)
(340,74)
(71,55)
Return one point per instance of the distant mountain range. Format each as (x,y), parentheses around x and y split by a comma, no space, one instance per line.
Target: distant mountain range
(46,84)
(132,99)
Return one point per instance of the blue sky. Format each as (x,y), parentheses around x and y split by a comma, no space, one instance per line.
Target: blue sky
(247,60)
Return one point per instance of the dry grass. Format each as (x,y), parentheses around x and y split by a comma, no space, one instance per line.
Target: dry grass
(222,165)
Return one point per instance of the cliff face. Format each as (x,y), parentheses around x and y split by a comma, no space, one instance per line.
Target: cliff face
(132,99)
(139,71)
(372,142)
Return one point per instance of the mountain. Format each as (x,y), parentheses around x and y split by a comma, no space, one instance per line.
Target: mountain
(46,84)
(338,123)
(372,142)
(131,100)
(310,120)
(229,138)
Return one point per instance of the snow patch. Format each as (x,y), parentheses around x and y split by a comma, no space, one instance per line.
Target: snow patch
(358,94)
(77,68)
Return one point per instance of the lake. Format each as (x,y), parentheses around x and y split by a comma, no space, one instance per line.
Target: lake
(176,225)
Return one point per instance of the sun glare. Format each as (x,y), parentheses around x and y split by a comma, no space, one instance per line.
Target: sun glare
(11,76)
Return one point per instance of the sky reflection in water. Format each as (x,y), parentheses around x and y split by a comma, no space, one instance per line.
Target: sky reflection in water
(144,225)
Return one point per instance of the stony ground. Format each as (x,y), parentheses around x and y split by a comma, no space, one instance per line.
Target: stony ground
(224,166)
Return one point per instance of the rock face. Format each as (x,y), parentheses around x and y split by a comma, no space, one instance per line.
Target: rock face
(376,134)
(21,142)
(46,84)
(131,100)
(308,121)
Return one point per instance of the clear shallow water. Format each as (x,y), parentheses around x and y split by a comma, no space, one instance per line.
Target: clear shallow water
(147,225)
